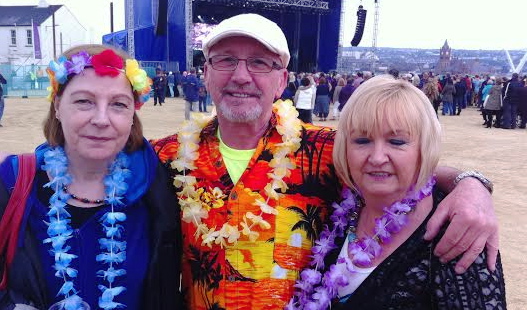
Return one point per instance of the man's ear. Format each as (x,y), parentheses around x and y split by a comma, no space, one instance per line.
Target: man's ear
(206,75)
(282,83)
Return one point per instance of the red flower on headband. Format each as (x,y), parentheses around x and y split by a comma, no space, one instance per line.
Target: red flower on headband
(107,63)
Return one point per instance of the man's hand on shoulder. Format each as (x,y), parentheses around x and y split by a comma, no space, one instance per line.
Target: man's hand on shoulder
(473,225)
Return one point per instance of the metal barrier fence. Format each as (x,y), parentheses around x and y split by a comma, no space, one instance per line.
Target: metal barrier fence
(25,81)
(32,80)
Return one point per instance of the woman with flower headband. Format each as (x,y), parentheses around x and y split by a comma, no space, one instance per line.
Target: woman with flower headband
(386,149)
(99,229)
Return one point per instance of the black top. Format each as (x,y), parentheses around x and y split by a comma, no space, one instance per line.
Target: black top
(413,278)
(79,215)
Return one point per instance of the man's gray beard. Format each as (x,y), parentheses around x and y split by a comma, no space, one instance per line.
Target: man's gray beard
(231,114)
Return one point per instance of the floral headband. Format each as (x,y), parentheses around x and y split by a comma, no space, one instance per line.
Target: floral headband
(105,63)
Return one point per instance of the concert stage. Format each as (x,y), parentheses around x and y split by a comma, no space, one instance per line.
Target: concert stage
(172,30)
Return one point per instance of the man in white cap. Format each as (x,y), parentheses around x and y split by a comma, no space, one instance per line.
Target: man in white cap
(254,183)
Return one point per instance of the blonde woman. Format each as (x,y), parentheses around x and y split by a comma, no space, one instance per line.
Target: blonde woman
(386,152)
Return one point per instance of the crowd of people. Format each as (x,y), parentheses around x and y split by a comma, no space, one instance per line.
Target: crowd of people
(317,92)
(505,108)
(189,85)
(248,207)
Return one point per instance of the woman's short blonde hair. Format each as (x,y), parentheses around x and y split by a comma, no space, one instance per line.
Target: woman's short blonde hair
(385,100)
(52,126)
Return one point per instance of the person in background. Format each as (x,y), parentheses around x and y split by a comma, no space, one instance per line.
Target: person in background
(476,85)
(459,95)
(41,78)
(345,93)
(333,83)
(510,102)
(159,86)
(424,80)
(492,102)
(304,100)
(202,95)
(447,96)
(431,91)
(522,105)
(178,91)
(480,96)
(292,78)
(255,184)
(416,80)
(394,72)
(469,91)
(322,99)
(31,76)
(358,79)
(336,95)
(2,102)
(366,75)
(190,91)
(289,92)
(101,226)
(386,151)
(299,77)
(171,83)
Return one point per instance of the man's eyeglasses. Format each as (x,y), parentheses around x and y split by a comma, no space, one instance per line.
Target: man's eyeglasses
(254,64)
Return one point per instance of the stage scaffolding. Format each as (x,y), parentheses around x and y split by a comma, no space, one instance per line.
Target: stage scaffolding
(314,5)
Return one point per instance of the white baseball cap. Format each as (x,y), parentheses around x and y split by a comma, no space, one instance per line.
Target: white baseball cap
(253,26)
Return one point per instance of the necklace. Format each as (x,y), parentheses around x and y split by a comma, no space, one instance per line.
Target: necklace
(113,250)
(84,200)
(315,290)
(196,202)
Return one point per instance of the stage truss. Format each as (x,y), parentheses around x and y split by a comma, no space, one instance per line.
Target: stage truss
(129,19)
(313,4)
(274,4)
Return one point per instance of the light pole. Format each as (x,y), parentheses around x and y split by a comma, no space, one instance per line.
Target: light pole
(53,34)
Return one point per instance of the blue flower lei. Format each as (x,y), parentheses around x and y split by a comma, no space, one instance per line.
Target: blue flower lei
(315,288)
(113,251)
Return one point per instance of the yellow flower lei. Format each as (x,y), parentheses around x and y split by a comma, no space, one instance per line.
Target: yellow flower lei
(196,203)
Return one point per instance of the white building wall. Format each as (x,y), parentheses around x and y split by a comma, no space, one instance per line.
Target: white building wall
(66,25)
(18,53)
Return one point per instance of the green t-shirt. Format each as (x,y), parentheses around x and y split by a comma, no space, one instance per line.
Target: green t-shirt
(235,160)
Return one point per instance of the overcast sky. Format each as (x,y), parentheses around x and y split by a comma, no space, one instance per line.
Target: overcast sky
(466,24)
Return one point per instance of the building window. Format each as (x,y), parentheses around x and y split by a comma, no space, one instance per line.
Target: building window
(29,37)
(13,37)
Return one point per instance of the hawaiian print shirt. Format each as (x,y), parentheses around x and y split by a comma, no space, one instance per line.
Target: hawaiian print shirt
(259,274)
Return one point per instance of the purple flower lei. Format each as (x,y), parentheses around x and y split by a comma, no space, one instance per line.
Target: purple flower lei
(315,290)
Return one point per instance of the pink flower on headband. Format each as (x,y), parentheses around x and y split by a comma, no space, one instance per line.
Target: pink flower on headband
(107,63)
(78,62)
